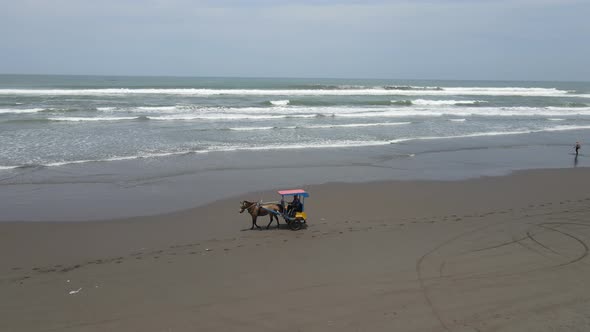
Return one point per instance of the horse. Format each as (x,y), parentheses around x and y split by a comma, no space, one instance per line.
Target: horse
(256,210)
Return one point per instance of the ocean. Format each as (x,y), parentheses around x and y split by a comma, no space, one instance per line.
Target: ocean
(98,147)
(56,120)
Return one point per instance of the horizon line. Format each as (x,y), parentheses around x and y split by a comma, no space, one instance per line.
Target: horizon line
(297,77)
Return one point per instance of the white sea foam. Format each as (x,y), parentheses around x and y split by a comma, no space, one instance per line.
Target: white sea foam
(368,112)
(341,144)
(354,125)
(212,117)
(322,145)
(491,133)
(288,111)
(243,113)
(221,148)
(157,108)
(555,108)
(251,128)
(470,111)
(81,119)
(424,102)
(188,113)
(20,111)
(280,102)
(452,91)
(555,119)
(144,109)
(123,158)
(227,116)
(351,125)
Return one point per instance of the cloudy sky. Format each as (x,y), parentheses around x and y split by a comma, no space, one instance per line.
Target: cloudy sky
(421,39)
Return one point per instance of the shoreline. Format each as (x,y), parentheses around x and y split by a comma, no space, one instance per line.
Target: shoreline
(272,192)
(122,189)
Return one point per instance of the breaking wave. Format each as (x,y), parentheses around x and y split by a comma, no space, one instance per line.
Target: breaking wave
(423,102)
(351,125)
(279,102)
(20,111)
(83,119)
(412,88)
(293,112)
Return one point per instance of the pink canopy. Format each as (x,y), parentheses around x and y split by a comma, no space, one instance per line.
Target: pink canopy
(293,192)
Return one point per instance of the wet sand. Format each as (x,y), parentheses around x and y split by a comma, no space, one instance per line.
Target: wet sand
(490,254)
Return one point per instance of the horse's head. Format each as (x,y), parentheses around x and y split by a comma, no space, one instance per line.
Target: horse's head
(244,205)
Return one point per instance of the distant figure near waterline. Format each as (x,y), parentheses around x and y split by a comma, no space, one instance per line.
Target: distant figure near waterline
(578,146)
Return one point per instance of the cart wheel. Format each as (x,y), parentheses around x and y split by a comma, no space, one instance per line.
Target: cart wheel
(295,225)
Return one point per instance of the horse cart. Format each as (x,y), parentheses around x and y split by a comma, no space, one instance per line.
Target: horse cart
(293,212)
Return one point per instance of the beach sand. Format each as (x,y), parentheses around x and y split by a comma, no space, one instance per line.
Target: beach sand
(490,254)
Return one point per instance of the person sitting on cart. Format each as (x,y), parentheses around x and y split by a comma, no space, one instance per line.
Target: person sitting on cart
(294,206)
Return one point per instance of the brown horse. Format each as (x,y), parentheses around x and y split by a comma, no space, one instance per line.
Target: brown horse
(256,210)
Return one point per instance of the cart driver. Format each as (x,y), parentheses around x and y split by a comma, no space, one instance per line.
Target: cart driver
(294,206)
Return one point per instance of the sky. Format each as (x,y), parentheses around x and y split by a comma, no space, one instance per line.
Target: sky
(405,39)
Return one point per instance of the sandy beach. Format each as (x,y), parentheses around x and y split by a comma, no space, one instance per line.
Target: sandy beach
(502,253)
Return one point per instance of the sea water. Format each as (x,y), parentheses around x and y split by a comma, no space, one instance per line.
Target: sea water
(52,121)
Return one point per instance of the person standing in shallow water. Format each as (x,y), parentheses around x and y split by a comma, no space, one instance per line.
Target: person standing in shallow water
(578,146)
